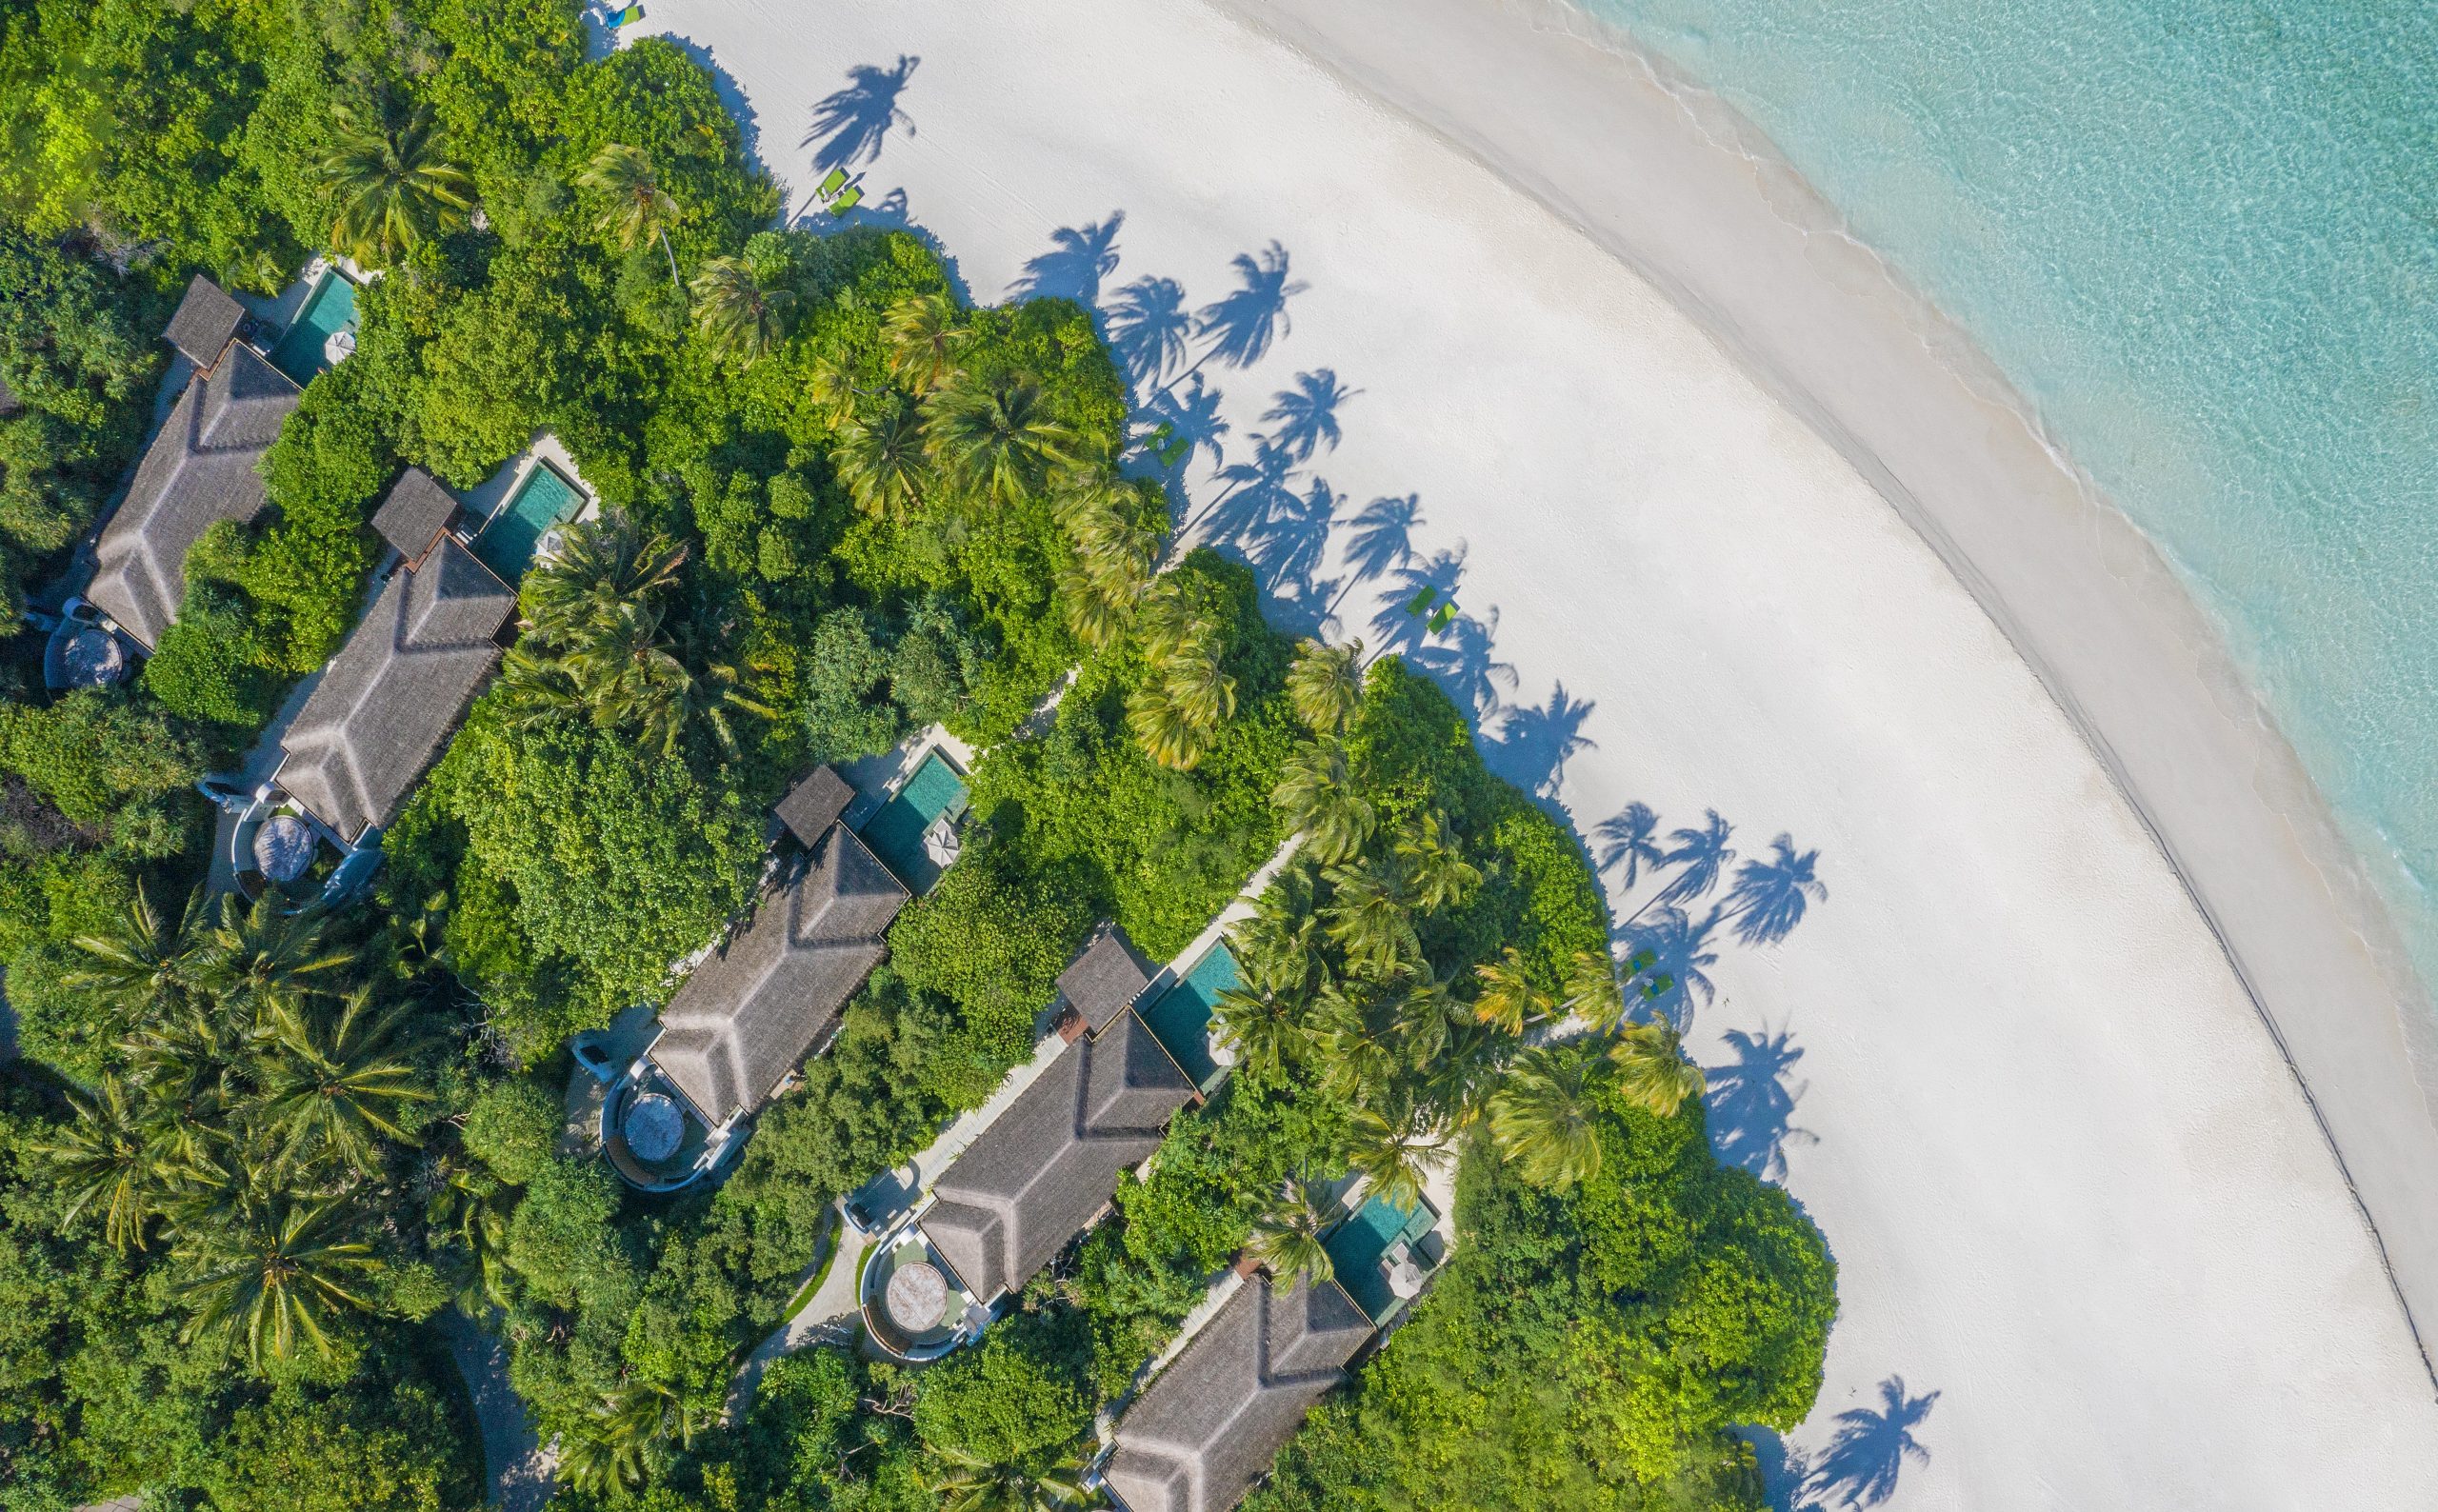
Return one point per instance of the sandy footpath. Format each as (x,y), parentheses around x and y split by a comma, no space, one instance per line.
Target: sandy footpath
(1711,526)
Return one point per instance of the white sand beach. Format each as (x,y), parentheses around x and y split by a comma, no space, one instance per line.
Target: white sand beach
(1732,527)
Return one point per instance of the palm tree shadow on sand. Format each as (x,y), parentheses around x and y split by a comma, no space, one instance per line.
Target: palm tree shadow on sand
(1750,1105)
(1078,259)
(1860,1465)
(850,125)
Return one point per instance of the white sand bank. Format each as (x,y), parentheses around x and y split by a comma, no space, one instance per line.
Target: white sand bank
(2073,1188)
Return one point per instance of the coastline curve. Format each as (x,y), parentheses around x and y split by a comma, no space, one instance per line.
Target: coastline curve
(2284,895)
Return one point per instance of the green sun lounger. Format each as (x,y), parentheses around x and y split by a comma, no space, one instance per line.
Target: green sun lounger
(848,201)
(1421,600)
(831,185)
(628,17)
(1443,616)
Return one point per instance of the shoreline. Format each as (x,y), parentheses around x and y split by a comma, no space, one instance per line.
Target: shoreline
(2090,1241)
(2287,899)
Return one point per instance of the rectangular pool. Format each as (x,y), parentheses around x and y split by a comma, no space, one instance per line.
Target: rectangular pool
(542,500)
(1181,1018)
(329,310)
(1355,1247)
(895,833)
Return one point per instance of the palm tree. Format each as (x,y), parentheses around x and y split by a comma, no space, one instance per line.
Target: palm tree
(1434,863)
(392,186)
(1168,734)
(997,438)
(146,959)
(1370,915)
(1163,622)
(882,462)
(1545,1114)
(1508,999)
(923,339)
(1423,1013)
(1118,551)
(1264,1028)
(338,1082)
(261,957)
(607,1448)
(1198,682)
(1593,991)
(972,1482)
(1397,1152)
(625,669)
(705,697)
(1768,898)
(1357,1064)
(1324,687)
(1096,615)
(268,1270)
(1286,1238)
(637,208)
(470,1207)
(106,1161)
(741,313)
(1317,801)
(192,1066)
(831,387)
(602,565)
(1652,1072)
(1278,947)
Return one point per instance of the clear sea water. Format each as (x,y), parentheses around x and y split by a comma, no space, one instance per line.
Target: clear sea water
(2203,239)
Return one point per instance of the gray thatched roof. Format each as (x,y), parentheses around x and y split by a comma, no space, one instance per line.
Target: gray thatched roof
(205,322)
(415,512)
(388,702)
(1051,1160)
(748,1014)
(201,469)
(813,804)
(1201,1434)
(1106,978)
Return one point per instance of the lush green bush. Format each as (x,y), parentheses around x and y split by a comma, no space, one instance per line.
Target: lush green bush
(1020,1392)
(74,353)
(369,1449)
(993,942)
(619,860)
(1588,1351)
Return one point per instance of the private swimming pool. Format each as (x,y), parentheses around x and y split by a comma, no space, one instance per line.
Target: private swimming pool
(895,833)
(1355,1247)
(329,310)
(542,500)
(1181,1020)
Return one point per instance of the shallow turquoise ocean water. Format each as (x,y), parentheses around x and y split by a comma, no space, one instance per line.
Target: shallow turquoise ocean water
(2203,239)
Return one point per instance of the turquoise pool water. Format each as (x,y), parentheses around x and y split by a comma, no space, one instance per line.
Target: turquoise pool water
(329,310)
(1181,1018)
(895,833)
(2204,241)
(506,544)
(1355,1247)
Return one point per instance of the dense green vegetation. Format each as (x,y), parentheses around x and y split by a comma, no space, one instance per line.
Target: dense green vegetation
(251,1158)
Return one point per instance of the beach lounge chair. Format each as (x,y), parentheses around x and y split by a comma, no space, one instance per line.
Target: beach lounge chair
(628,17)
(1421,600)
(848,201)
(831,185)
(1443,616)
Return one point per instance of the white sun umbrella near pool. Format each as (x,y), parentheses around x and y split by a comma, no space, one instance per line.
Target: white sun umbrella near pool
(282,847)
